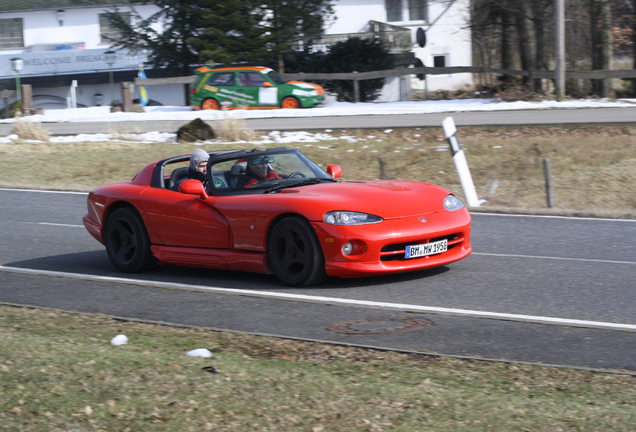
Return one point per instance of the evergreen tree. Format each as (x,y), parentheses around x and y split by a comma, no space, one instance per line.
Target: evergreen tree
(231,31)
(168,49)
(259,31)
(356,55)
(288,22)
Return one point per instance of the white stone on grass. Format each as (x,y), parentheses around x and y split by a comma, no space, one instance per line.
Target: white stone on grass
(119,340)
(201,352)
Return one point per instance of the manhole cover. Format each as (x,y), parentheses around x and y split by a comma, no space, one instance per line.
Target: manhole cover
(379,325)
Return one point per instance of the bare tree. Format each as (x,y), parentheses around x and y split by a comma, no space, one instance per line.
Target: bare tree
(633,10)
(525,40)
(513,34)
(600,29)
(539,17)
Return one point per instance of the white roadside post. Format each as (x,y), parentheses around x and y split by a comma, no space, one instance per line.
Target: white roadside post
(460,162)
(71,96)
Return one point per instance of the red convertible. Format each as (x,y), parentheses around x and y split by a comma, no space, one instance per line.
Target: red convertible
(296,220)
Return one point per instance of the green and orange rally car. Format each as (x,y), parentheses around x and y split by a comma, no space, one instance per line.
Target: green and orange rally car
(251,87)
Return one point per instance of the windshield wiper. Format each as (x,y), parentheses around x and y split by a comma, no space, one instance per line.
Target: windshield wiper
(297,184)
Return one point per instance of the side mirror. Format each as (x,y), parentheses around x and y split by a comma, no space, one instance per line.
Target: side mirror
(334,171)
(267,84)
(193,187)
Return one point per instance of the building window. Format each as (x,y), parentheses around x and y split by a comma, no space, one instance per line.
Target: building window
(406,10)
(418,10)
(106,29)
(393,10)
(11,33)
(439,61)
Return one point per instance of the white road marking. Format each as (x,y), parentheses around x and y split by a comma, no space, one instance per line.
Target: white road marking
(362,303)
(554,258)
(333,300)
(58,224)
(553,217)
(44,191)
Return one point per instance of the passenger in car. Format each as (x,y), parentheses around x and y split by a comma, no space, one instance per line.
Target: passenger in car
(258,170)
(197,170)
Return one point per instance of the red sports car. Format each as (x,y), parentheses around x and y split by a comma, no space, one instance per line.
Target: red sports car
(276,212)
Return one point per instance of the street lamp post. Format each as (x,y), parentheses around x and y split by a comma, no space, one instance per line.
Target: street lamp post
(17,64)
(60,17)
(111,57)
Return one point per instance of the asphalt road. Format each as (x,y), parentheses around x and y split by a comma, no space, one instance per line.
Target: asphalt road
(488,118)
(545,290)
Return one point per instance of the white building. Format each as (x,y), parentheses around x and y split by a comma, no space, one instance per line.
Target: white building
(444,22)
(61,41)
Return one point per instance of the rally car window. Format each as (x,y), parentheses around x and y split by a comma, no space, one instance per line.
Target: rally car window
(278,79)
(222,79)
(251,79)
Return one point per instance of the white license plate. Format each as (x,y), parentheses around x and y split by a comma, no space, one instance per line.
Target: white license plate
(425,249)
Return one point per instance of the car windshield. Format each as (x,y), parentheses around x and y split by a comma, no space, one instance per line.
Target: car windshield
(276,77)
(265,172)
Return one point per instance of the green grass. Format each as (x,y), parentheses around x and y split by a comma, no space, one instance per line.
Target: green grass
(593,167)
(59,372)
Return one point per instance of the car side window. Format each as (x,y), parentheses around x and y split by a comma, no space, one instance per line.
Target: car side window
(251,79)
(222,79)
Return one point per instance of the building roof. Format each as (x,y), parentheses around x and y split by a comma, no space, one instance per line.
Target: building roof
(28,5)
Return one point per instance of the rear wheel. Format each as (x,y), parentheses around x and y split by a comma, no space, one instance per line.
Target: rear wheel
(290,102)
(295,255)
(127,242)
(210,104)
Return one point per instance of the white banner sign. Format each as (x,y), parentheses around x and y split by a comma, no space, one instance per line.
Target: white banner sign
(66,62)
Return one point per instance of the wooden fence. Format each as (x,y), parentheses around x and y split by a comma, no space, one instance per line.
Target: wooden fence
(356,77)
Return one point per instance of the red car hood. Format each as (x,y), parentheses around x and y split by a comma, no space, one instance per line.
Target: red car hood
(385,198)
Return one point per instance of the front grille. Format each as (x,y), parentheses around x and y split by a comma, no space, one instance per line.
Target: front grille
(395,252)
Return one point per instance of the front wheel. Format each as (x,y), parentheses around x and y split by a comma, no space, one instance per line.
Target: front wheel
(290,102)
(127,242)
(295,255)
(210,104)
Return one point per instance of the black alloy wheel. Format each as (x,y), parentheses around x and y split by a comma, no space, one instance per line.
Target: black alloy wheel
(127,242)
(295,255)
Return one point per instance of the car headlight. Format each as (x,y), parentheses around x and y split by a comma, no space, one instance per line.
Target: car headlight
(451,203)
(305,93)
(350,218)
